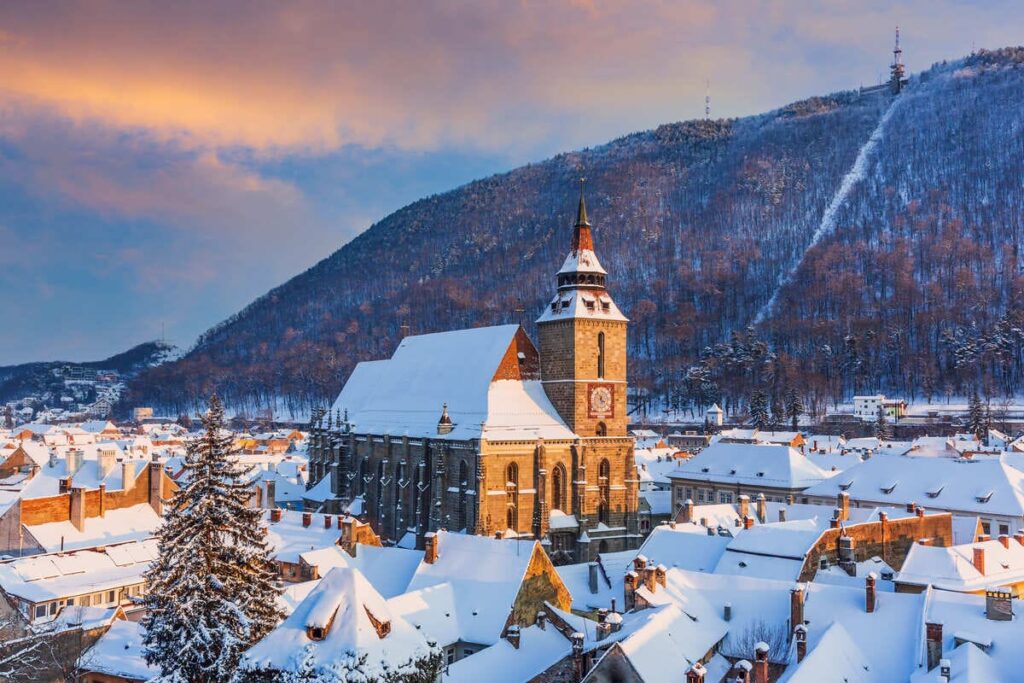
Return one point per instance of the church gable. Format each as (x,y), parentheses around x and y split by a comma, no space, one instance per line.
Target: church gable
(521,360)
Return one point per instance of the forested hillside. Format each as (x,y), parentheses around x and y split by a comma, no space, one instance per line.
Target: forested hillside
(910,283)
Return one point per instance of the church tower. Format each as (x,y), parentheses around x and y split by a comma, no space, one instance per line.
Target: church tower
(582,336)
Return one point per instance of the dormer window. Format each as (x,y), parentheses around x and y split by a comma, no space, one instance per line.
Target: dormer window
(984,497)
(589,303)
(935,491)
(554,307)
(890,488)
(845,486)
(316,633)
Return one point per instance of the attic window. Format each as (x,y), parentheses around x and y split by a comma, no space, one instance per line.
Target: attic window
(383,627)
(554,306)
(606,305)
(589,303)
(845,486)
(935,491)
(316,632)
(889,489)
(984,497)
(732,471)
(760,474)
(705,469)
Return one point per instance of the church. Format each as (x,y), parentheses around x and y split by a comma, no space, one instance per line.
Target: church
(482,431)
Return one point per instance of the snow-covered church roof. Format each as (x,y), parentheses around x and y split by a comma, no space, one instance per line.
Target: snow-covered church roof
(405,394)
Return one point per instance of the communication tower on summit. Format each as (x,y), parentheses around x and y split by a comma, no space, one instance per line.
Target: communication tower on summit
(897,77)
(707,99)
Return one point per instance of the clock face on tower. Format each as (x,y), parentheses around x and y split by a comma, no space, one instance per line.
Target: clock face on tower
(600,400)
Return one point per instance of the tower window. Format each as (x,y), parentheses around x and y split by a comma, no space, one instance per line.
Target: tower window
(602,429)
(600,355)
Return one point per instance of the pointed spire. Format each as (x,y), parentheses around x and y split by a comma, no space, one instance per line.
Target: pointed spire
(581,213)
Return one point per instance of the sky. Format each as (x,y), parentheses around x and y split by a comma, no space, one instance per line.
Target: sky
(163,164)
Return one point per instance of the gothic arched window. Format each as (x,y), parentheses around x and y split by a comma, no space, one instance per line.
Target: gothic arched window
(512,496)
(602,429)
(604,489)
(600,355)
(558,499)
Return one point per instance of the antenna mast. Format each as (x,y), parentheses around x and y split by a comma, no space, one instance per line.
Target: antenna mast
(707,99)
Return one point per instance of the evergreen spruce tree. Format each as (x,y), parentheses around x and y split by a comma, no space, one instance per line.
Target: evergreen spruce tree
(759,409)
(794,407)
(882,430)
(212,590)
(975,414)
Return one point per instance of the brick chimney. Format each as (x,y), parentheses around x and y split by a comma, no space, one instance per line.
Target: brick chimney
(919,511)
(1019,537)
(103,500)
(761,662)
(275,515)
(796,606)
(327,521)
(1005,540)
(800,636)
(660,574)
(843,505)
(933,643)
(911,506)
(979,560)
(696,673)
(782,514)
(78,508)
(762,508)
(430,550)
(740,672)
(105,462)
(748,522)
(650,578)
(629,585)
(542,620)
(686,512)
(869,592)
(579,663)
(512,635)
(744,505)
(307,519)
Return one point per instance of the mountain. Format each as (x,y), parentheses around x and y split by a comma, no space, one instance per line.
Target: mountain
(850,242)
(37,379)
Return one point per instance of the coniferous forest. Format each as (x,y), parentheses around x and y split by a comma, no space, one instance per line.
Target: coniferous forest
(758,255)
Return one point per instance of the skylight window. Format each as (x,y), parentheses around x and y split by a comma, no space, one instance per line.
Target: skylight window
(984,497)
(889,489)
(934,491)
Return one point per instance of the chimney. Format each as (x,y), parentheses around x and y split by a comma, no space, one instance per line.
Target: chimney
(979,560)
(796,606)
(275,515)
(696,673)
(761,663)
(800,636)
(744,506)
(933,643)
(790,499)
(945,669)
(340,522)
(727,612)
(105,462)
(703,521)
(748,522)
(869,592)
(843,505)
(919,511)
(782,514)
(686,512)
(78,508)
(639,563)
(271,501)
(103,500)
(833,523)
(74,460)
(629,585)
(542,620)
(307,519)
(614,621)
(127,476)
(984,538)
(327,522)
(740,672)
(512,635)
(1019,537)
(998,604)
(1005,540)
(156,474)
(659,574)
(578,660)
(883,517)
(911,506)
(430,551)
(762,508)
(592,577)
(650,578)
